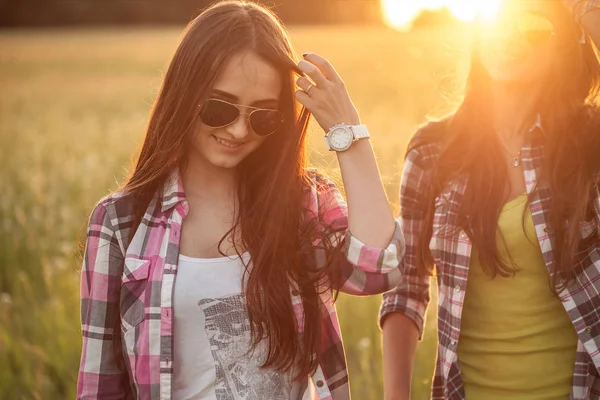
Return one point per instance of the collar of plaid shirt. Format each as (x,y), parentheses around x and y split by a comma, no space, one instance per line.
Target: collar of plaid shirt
(142,283)
(451,249)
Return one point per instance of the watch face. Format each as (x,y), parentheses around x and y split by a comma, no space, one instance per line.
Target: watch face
(340,138)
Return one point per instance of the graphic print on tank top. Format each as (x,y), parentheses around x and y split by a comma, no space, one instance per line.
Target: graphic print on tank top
(238,372)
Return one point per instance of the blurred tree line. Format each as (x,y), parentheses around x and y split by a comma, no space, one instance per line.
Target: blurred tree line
(44,13)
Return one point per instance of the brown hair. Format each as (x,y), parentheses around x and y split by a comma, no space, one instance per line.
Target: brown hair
(571,124)
(271,182)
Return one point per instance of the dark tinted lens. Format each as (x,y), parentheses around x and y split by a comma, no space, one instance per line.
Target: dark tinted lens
(265,122)
(536,28)
(216,113)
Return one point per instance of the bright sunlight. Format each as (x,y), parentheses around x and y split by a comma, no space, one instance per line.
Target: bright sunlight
(400,13)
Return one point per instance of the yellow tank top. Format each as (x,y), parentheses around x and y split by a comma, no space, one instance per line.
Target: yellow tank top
(516,339)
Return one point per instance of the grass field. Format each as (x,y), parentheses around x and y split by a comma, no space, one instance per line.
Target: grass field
(73,106)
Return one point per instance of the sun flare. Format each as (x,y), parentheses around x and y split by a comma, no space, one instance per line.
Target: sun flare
(400,13)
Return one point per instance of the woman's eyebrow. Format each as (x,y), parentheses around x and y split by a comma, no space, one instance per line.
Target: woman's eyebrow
(266,103)
(223,95)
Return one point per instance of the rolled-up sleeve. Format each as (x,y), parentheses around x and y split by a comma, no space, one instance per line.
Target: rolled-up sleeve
(366,270)
(375,259)
(411,296)
(101,376)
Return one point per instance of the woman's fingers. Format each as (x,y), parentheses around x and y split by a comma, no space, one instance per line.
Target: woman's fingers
(305,84)
(313,72)
(305,100)
(324,66)
(324,93)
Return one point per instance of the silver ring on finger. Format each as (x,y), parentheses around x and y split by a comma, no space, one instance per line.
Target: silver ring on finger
(310,86)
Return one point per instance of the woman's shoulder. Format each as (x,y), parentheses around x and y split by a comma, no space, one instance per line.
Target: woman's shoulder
(322,190)
(429,139)
(590,145)
(114,207)
(316,180)
(324,200)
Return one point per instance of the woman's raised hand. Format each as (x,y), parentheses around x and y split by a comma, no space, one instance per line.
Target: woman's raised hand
(577,7)
(325,94)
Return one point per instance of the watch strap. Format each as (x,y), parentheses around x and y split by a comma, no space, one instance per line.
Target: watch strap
(360,132)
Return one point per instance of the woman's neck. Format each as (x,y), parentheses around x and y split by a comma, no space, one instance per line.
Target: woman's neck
(203,180)
(513,109)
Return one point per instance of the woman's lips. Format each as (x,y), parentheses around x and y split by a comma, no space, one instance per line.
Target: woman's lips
(228,144)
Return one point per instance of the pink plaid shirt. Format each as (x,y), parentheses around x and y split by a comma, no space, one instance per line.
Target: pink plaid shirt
(451,249)
(140,275)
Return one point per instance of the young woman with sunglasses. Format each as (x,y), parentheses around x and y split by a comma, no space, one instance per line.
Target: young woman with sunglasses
(503,198)
(212,273)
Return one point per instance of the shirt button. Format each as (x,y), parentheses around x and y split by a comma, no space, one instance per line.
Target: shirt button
(453,343)
(457,289)
(547,230)
(320,383)
(463,235)
(295,292)
(588,330)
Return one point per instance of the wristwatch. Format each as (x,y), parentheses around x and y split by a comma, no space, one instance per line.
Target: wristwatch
(340,137)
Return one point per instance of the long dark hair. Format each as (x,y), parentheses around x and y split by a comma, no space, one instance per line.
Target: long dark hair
(272,182)
(571,141)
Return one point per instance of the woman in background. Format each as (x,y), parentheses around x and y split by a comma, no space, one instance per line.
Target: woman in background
(212,273)
(503,198)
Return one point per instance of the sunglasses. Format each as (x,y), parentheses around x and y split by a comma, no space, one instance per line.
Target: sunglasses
(217,113)
(536,29)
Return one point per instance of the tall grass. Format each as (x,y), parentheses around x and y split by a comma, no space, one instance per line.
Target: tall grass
(73,105)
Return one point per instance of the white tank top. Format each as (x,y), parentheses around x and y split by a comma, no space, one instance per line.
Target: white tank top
(212,336)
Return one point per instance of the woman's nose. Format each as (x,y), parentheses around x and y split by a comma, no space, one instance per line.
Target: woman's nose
(240,129)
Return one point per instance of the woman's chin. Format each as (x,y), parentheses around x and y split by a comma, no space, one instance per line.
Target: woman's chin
(217,157)
(224,162)
(513,77)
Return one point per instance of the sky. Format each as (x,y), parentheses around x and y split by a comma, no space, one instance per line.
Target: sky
(400,13)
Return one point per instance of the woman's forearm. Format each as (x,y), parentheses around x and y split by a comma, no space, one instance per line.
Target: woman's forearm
(370,217)
(400,337)
(369,214)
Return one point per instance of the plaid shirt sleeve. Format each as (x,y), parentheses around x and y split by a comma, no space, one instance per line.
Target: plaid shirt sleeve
(100,376)
(581,7)
(411,296)
(368,270)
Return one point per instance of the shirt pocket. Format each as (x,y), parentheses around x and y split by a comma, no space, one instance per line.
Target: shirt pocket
(134,284)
